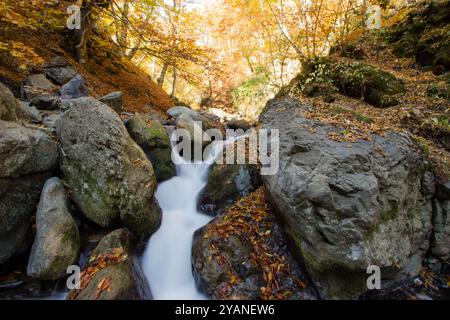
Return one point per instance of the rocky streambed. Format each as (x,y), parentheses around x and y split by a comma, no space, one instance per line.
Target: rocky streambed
(80,186)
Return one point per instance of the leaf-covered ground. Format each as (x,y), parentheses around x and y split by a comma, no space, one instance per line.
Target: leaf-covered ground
(247,244)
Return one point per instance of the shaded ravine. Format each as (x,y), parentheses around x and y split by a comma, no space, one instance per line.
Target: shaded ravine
(167,259)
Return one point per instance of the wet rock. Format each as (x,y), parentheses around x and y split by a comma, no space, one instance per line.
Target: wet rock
(10,108)
(177,112)
(27,157)
(226,184)
(232,256)
(108,173)
(114,100)
(194,128)
(346,208)
(75,88)
(57,239)
(153,138)
(122,271)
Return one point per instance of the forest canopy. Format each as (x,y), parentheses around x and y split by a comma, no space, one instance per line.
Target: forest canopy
(226,53)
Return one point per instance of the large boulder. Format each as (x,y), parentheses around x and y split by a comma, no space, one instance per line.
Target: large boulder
(108,173)
(10,108)
(113,271)
(153,138)
(321,76)
(57,239)
(347,206)
(242,254)
(226,184)
(27,157)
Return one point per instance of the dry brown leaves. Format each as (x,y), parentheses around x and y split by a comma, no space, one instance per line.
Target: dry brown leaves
(251,221)
(95,264)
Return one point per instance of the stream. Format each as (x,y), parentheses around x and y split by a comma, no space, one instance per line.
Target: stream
(167,259)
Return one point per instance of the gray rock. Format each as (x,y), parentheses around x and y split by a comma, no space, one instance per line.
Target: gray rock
(25,151)
(153,138)
(443,190)
(441,230)
(108,173)
(192,126)
(18,200)
(57,239)
(31,111)
(41,99)
(177,111)
(114,100)
(49,120)
(39,81)
(346,208)
(27,157)
(10,108)
(59,70)
(127,280)
(56,62)
(75,88)
(226,184)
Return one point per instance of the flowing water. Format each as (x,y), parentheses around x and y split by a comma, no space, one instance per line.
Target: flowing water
(167,259)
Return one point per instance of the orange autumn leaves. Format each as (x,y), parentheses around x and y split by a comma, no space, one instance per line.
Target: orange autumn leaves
(250,220)
(95,264)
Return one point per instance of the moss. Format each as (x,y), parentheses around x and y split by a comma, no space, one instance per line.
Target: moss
(349,49)
(424,34)
(388,215)
(358,116)
(359,80)
(154,140)
(423,143)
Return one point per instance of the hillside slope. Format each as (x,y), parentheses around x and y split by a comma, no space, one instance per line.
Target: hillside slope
(33,32)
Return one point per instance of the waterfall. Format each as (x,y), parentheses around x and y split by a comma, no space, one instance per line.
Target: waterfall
(167,258)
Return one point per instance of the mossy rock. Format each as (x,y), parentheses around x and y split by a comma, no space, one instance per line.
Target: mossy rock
(424,34)
(124,274)
(154,140)
(226,184)
(348,49)
(433,49)
(359,80)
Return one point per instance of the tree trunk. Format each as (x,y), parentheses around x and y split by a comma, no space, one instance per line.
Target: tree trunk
(163,74)
(81,35)
(174,81)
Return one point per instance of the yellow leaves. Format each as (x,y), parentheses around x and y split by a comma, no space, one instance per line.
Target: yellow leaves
(97,263)
(103,285)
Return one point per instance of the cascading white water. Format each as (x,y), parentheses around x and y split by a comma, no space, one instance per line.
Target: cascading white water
(167,258)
